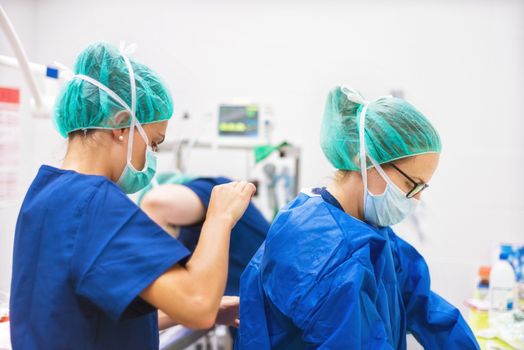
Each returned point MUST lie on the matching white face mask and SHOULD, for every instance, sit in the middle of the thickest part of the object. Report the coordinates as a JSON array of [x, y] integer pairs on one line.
[[392, 206]]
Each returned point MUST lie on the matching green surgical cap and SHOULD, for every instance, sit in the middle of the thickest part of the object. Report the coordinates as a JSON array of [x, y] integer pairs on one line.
[[394, 129], [82, 105], [172, 178]]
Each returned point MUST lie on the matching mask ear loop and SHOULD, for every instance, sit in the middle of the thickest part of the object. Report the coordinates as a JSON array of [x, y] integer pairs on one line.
[[363, 155], [388, 179], [132, 125], [382, 173], [362, 141], [134, 120], [355, 96], [154, 182]]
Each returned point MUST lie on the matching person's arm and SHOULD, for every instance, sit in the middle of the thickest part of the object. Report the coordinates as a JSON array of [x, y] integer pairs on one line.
[[435, 323], [191, 294], [344, 313], [173, 205], [227, 314]]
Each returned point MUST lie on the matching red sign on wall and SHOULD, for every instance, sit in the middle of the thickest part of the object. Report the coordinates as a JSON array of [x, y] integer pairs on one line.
[[9, 95]]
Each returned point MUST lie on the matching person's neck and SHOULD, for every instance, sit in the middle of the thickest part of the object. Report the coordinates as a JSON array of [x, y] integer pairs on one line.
[[87, 159], [348, 190]]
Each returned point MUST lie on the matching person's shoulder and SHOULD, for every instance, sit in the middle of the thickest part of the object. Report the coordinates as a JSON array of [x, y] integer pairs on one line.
[[109, 193], [311, 236], [220, 180], [304, 208], [304, 237], [63, 183], [310, 217], [99, 192], [204, 185], [307, 244], [401, 246]]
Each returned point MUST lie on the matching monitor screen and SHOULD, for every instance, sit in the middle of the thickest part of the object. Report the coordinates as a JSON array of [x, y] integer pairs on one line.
[[238, 120]]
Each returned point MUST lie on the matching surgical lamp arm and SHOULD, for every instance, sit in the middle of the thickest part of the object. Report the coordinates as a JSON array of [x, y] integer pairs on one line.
[[21, 56]]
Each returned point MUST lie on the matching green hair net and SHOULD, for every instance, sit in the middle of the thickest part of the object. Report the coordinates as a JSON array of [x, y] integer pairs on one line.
[[394, 129], [173, 178], [82, 105]]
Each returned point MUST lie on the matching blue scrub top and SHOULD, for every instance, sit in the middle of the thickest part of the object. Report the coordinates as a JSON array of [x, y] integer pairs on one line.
[[83, 253], [325, 280], [246, 237]]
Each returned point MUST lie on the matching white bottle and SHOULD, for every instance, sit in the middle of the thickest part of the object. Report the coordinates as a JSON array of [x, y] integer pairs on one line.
[[501, 289]]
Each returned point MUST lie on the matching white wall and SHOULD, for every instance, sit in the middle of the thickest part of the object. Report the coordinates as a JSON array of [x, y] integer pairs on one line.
[[22, 14], [460, 62]]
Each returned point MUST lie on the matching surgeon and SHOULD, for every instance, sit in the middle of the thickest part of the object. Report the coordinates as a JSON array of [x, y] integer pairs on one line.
[[332, 274], [90, 268], [179, 203]]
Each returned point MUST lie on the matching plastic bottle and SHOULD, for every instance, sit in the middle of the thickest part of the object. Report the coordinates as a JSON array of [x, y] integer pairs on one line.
[[483, 285], [520, 281], [501, 289], [479, 305]]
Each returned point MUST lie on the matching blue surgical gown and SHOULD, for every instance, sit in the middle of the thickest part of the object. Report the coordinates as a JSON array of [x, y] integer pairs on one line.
[[246, 237], [83, 253], [325, 280]]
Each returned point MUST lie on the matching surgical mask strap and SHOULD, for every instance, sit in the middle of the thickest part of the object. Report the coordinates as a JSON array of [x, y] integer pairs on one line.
[[154, 182], [354, 96], [132, 85], [362, 141], [382, 172]]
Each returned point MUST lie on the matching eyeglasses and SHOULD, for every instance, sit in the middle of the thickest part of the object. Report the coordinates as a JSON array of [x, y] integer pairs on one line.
[[417, 186]]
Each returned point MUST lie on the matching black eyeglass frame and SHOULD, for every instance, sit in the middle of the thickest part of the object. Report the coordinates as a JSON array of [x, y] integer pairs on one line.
[[417, 186]]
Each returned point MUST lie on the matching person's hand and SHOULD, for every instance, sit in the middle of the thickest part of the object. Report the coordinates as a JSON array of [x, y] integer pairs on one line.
[[228, 312], [230, 201]]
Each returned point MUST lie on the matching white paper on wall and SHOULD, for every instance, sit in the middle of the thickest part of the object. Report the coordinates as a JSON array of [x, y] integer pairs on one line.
[[9, 145]]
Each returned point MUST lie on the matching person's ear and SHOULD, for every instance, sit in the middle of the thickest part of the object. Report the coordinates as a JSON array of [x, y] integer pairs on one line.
[[121, 118], [119, 134]]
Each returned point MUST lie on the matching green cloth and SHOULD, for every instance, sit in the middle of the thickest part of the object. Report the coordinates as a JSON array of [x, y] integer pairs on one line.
[[264, 151]]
